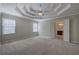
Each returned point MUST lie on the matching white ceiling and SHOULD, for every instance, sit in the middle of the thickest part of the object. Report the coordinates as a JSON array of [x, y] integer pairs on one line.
[[50, 10]]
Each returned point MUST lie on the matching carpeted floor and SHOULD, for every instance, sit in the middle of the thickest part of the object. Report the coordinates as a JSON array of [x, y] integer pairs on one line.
[[39, 46]]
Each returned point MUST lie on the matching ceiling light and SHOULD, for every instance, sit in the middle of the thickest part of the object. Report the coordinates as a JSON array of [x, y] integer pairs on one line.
[[60, 24], [40, 13]]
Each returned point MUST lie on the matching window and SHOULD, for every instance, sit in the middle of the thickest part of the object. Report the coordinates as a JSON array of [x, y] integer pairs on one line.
[[8, 26], [35, 27]]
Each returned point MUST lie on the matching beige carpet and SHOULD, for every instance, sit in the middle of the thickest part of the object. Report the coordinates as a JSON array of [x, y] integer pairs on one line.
[[39, 46]]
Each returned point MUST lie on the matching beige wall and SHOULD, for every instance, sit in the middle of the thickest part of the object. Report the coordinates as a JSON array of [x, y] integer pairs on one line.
[[0, 27], [24, 29], [47, 29], [74, 28], [67, 29]]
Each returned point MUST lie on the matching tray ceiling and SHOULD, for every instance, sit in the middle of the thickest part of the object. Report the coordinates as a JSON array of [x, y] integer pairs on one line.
[[49, 10]]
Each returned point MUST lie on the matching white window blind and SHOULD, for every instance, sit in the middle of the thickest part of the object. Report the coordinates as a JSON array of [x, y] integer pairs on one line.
[[8, 26], [35, 27]]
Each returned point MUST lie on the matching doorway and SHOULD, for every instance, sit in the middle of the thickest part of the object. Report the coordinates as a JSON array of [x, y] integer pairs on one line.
[[59, 29]]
